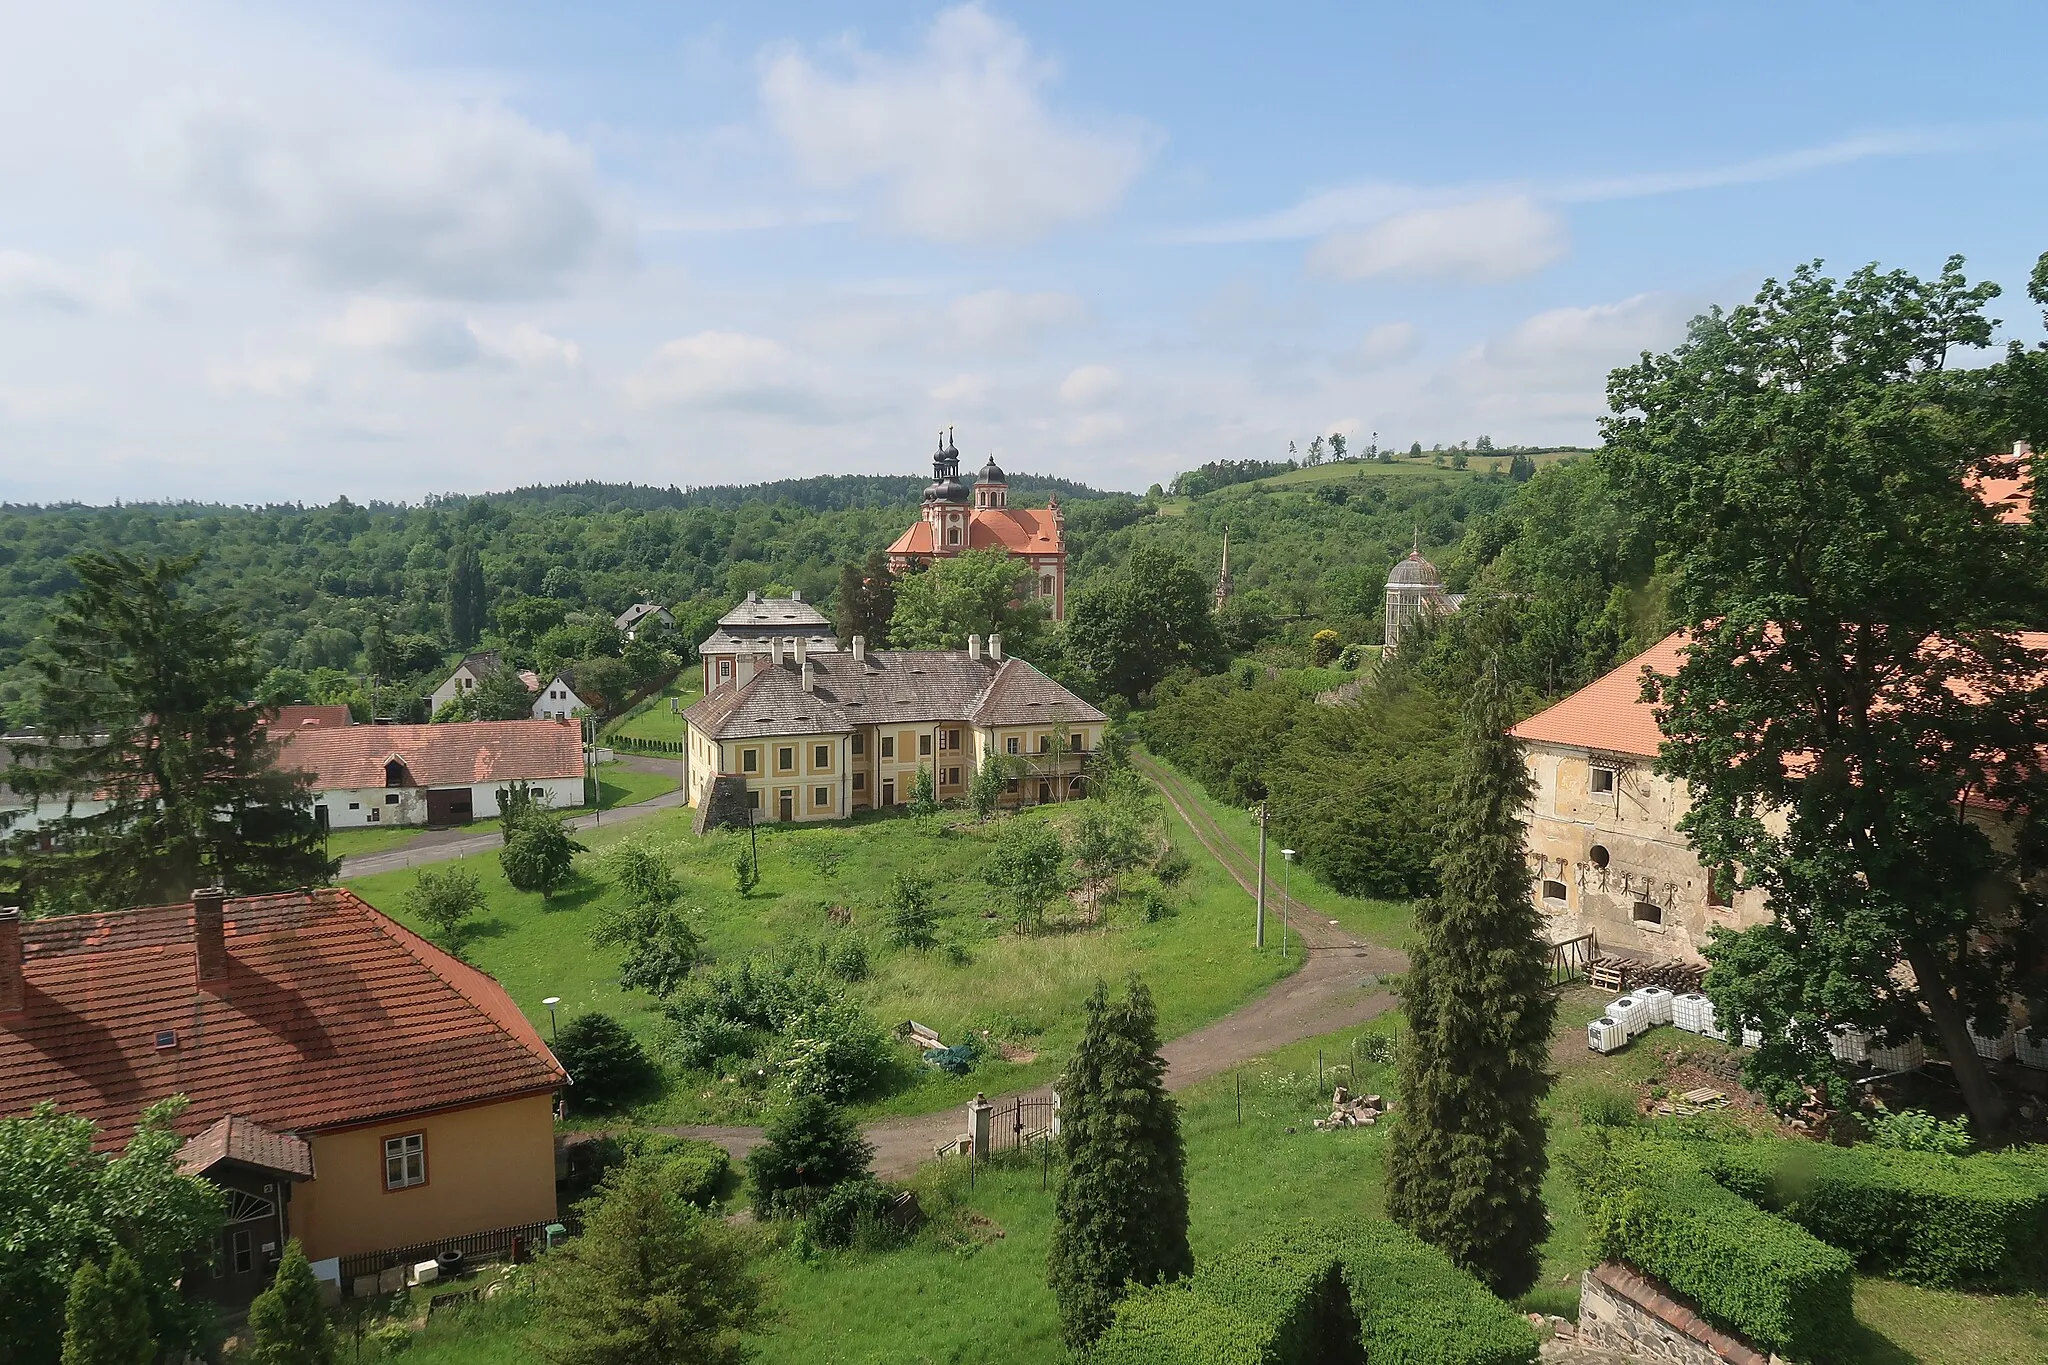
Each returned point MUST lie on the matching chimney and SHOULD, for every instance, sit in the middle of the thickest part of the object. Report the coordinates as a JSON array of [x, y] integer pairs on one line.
[[974, 648], [860, 649], [810, 682], [802, 645], [775, 645], [753, 596], [995, 649], [13, 987], [2021, 450], [209, 935], [796, 594]]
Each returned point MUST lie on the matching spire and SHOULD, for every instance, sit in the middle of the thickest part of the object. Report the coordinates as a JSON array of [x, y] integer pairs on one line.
[[1416, 547], [1223, 587]]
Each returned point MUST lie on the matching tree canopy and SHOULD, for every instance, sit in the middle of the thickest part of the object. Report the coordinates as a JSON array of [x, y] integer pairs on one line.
[[1134, 627], [981, 592]]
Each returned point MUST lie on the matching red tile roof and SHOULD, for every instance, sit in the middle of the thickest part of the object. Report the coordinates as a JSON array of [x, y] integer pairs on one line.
[[1609, 713], [309, 718], [235, 1138], [331, 1014], [452, 754], [1020, 530], [2013, 498]]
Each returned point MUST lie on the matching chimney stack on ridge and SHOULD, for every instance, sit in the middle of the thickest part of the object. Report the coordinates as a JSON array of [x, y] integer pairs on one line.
[[13, 985], [803, 652], [209, 933], [860, 649], [810, 681], [995, 649], [974, 648]]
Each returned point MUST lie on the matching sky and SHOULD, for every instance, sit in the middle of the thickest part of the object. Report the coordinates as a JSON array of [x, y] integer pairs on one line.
[[293, 252]]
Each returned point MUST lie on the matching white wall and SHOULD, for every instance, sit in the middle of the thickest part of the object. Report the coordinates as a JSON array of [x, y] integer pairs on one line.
[[451, 689], [548, 706], [28, 818], [563, 793]]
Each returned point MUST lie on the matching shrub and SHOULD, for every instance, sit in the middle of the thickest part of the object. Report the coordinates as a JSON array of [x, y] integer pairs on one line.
[[833, 1047], [1415, 1307], [702, 1041], [288, 1325], [444, 898], [823, 1042], [1916, 1130], [811, 1146], [1753, 1273], [1173, 867], [1917, 1216], [846, 957], [853, 1213], [539, 855], [606, 1064], [693, 1170], [1607, 1107], [912, 916]]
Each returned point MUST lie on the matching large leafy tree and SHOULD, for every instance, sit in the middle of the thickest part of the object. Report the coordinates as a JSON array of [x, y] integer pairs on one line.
[[652, 1278], [1856, 712], [147, 711], [1121, 1209], [63, 1204], [981, 592], [1465, 1172], [1135, 627]]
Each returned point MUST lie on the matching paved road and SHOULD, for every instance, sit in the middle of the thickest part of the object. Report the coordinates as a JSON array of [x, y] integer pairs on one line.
[[442, 845], [1330, 992]]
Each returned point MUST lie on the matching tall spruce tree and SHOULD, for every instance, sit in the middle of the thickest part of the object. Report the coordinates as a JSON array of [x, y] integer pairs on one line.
[[465, 594], [106, 1316], [867, 599], [1465, 1172], [147, 710], [287, 1323], [1121, 1210]]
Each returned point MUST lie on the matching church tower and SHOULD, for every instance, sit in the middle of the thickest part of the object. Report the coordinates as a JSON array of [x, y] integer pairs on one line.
[[946, 498], [1223, 587]]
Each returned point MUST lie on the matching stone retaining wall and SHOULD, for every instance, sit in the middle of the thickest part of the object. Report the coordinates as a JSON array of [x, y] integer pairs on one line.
[[1623, 1310]]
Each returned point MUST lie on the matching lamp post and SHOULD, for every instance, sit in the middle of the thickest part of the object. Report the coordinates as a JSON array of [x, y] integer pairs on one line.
[[1286, 894], [551, 1002]]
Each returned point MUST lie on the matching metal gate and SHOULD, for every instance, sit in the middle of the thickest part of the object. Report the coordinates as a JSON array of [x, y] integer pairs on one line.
[[1021, 1122]]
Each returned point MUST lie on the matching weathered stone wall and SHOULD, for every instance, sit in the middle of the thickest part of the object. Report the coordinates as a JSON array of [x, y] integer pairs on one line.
[[723, 804], [1624, 1311]]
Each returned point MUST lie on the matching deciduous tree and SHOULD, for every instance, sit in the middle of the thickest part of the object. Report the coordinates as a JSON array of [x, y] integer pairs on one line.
[[1465, 1171], [1025, 868], [1856, 704], [867, 600], [1121, 1210], [981, 592], [912, 916], [444, 898], [1131, 629], [539, 855]]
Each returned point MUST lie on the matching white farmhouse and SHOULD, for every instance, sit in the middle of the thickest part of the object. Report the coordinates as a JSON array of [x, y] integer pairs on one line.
[[558, 700], [446, 774], [633, 619]]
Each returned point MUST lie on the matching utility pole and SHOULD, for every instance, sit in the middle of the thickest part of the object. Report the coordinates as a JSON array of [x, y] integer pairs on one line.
[[1259, 936], [1286, 895]]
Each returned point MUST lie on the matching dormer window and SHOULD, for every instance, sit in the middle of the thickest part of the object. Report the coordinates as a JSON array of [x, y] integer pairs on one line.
[[396, 775]]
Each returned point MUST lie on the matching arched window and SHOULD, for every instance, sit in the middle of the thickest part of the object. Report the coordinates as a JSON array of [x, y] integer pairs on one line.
[[1598, 855], [952, 535]]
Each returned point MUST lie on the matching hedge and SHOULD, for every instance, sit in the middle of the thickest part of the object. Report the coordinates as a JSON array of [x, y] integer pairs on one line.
[[1312, 1295], [695, 1168], [1653, 1206], [1935, 1220]]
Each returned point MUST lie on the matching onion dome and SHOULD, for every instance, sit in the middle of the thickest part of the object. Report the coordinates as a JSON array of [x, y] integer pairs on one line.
[[1414, 571], [990, 473]]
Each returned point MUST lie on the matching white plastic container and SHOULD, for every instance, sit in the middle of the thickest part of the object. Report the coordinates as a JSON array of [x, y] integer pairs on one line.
[[1849, 1044], [1998, 1049], [1606, 1035], [1752, 1037], [1656, 1000], [1910, 1055], [1629, 1012], [426, 1272], [2030, 1054]]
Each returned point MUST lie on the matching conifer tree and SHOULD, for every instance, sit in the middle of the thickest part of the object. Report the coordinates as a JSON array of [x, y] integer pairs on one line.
[[106, 1318], [287, 1322], [1121, 1210], [466, 601], [1465, 1172]]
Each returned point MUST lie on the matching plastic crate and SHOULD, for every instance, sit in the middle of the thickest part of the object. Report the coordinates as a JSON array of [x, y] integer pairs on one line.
[[1849, 1044], [1606, 1035], [1692, 1012], [1631, 1012], [1657, 1001], [1998, 1049], [2030, 1054], [1752, 1037], [1910, 1055]]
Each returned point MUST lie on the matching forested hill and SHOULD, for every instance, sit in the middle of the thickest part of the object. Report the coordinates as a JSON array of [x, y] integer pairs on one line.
[[818, 493]]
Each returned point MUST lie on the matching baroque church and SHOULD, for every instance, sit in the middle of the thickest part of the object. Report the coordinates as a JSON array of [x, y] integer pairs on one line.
[[957, 518]]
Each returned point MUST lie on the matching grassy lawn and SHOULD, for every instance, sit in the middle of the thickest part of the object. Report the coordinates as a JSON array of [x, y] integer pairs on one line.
[[618, 785], [347, 843], [656, 722], [1380, 921], [1024, 989]]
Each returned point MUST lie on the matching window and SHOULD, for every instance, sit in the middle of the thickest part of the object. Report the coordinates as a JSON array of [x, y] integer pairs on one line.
[[391, 799], [1598, 855], [860, 782], [1721, 886], [375, 816], [753, 800], [1045, 744], [1010, 745], [239, 1251], [724, 669], [821, 756], [355, 805], [860, 744], [821, 798], [952, 535], [888, 746], [405, 1161], [952, 777], [1078, 743], [785, 758], [1647, 912], [952, 739], [1603, 781], [1011, 786], [924, 746], [1554, 891], [1045, 586]]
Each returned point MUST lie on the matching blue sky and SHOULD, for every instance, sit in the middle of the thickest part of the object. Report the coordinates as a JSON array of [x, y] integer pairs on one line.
[[295, 251]]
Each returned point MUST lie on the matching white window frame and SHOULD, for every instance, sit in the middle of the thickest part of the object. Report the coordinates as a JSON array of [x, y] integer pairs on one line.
[[405, 1158]]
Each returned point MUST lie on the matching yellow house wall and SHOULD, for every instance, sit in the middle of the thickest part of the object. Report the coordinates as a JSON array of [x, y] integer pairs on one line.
[[488, 1166], [802, 780]]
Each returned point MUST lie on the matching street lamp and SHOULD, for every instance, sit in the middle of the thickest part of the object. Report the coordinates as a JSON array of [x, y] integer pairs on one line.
[[1286, 888], [551, 1002]]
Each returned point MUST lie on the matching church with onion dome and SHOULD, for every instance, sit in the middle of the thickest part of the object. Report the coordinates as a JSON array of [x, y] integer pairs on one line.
[[1415, 589], [957, 518]]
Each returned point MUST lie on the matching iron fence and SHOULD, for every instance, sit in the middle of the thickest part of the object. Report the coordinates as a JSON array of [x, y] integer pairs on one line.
[[475, 1246], [1020, 1123]]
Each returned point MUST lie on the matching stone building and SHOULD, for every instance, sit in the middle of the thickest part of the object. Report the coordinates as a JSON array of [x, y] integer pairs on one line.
[[957, 519], [1414, 590]]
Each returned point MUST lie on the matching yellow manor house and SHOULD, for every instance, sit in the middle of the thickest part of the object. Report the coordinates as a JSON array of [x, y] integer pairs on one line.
[[804, 735]]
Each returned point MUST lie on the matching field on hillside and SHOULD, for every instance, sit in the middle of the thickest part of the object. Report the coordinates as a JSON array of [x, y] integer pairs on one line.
[[656, 720], [1478, 465], [972, 1286], [1023, 988]]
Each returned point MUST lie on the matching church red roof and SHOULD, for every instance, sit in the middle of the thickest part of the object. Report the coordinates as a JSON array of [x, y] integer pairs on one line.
[[1020, 530], [330, 1014]]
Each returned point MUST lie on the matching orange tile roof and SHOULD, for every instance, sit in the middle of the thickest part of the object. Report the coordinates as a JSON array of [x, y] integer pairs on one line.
[[2013, 497], [331, 1014], [1020, 530], [450, 754], [1609, 713], [235, 1138], [291, 718]]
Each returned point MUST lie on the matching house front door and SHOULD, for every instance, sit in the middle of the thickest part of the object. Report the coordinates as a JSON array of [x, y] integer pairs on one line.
[[889, 791], [785, 802]]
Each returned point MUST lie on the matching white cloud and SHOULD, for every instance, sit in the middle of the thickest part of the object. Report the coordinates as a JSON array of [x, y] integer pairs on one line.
[[426, 337], [957, 135], [734, 371], [527, 348], [1554, 364], [1485, 240], [997, 316], [31, 281], [963, 390], [264, 372], [1090, 385], [464, 201], [1387, 344]]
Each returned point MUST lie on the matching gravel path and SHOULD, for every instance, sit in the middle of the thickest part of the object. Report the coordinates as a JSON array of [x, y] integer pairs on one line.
[[1330, 992], [443, 845]]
